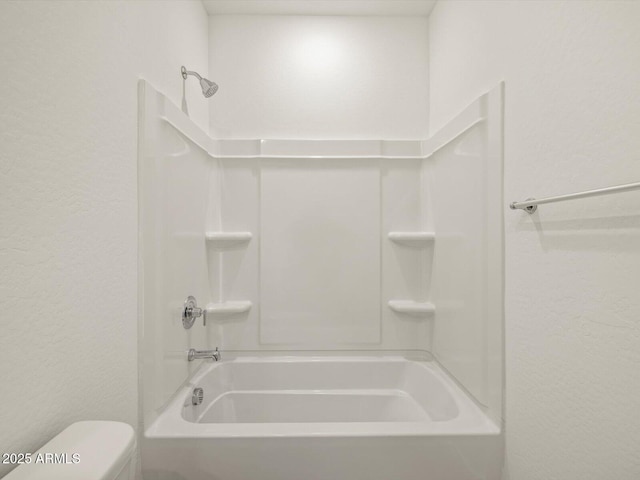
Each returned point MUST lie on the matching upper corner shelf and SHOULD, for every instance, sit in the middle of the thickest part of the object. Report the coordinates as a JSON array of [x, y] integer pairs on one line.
[[227, 239], [412, 239]]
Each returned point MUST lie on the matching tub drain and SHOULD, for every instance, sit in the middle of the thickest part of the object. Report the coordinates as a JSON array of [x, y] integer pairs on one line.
[[198, 396]]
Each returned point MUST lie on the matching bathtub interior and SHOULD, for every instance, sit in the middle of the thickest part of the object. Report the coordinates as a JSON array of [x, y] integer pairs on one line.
[[317, 389]]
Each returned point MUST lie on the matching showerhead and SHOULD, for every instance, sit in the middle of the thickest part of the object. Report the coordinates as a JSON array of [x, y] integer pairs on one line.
[[209, 88]]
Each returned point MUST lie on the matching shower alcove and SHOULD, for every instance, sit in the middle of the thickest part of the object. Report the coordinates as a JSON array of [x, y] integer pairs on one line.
[[353, 288]]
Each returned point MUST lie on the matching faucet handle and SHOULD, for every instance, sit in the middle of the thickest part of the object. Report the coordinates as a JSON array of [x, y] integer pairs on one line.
[[191, 312]]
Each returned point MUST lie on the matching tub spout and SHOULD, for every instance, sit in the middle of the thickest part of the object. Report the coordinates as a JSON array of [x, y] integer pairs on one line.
[[198, 354]]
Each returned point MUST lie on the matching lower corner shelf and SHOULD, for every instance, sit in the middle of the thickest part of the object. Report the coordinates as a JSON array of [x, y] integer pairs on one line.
[[228, 308], [412, 308]]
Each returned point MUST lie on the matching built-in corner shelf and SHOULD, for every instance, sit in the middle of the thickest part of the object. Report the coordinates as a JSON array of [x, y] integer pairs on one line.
[[227, 239], [412, 308], [228, 308], [412, 239]]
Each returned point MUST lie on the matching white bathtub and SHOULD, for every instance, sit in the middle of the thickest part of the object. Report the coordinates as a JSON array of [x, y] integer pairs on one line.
[[330, 418]]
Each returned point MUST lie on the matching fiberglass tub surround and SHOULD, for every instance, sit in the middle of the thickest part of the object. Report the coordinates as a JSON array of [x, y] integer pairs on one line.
[[355, 301]]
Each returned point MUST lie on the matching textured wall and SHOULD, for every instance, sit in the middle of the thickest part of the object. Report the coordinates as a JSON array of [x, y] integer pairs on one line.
[[319, 77], [68, 226], [572, 122]]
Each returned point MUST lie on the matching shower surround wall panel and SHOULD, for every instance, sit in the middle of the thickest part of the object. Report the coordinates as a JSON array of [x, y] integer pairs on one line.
[[406, 267], [319, 253], [173, 189], [238, 184], [467, 265], [352, 210], [403, 202]]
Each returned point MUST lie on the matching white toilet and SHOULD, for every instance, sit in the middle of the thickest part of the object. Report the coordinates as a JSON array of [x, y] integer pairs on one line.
[[103, 451]]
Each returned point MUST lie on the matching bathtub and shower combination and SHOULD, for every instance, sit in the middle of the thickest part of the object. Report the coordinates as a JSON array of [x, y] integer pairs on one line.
[[425, 405]]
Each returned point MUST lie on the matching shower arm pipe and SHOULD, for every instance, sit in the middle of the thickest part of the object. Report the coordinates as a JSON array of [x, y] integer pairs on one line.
[[186, 72], [530, 205]]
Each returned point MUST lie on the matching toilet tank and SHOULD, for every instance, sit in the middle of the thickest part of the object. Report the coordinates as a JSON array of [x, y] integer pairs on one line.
[[93, 450]]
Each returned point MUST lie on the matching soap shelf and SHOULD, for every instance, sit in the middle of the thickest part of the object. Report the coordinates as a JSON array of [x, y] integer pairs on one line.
[[412, 239], [412, 308], [227, 239], [228, 308]]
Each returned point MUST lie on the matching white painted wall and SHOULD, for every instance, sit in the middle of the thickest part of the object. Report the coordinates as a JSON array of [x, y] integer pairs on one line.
[[319, 77], [572, 120], [68, 223]]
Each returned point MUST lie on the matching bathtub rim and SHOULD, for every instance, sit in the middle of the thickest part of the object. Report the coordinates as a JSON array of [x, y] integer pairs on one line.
[[471, 420]]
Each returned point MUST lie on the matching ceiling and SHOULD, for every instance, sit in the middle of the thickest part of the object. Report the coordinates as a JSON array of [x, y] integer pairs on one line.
[[319, 7]]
